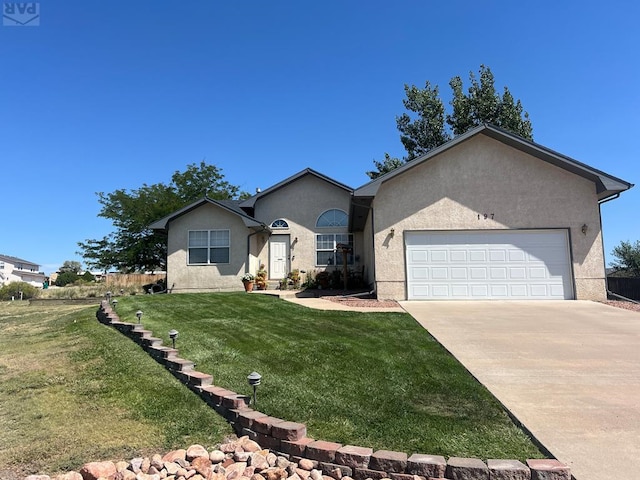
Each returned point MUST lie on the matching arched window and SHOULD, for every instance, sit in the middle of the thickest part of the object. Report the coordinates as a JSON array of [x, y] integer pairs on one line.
[[333, 218], [279, 223]]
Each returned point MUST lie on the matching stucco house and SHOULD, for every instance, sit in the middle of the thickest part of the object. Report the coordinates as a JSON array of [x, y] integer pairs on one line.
[[487, 215], [13, 269]]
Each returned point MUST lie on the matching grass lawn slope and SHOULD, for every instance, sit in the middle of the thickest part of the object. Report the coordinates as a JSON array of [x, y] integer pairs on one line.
[[73, 390], [370, 379]]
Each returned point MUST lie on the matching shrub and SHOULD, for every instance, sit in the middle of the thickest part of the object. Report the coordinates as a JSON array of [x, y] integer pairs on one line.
[[66, 278], [13, 290]]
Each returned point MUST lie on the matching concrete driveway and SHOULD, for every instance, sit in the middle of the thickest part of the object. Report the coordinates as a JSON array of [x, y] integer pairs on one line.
[[568, 370]]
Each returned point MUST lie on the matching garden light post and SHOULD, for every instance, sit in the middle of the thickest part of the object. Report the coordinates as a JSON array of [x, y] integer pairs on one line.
[[114, 303], [173, 334], [139, 315], [254, 380]]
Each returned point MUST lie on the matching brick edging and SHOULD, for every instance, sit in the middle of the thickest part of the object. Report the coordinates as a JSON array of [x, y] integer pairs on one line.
[[290, 438]]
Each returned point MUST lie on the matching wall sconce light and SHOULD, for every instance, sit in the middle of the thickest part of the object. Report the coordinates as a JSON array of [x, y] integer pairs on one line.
[[584, 228], [392, 233], [254, 380], [139, 315], [173, 334]]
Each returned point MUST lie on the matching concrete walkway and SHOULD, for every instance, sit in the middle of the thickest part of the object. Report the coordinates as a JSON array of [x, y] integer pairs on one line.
[[323, 303], [568, 370]]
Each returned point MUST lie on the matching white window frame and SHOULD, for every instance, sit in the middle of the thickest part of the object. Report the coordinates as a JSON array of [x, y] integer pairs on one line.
[[209, 246], [276, 227], [333, 225], [337, 261]]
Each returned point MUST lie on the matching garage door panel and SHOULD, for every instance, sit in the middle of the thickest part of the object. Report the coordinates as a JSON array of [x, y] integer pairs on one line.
[[488, 264]]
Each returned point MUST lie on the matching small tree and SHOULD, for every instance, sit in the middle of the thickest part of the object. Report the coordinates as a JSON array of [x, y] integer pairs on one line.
[[627, 260], [65, 278], [12, 291]]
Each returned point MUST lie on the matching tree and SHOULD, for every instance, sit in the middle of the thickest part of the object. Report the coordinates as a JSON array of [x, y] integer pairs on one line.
[[65, 278], [135, 247], [70, 266], [426, 126], [388, 164], [627, 258]]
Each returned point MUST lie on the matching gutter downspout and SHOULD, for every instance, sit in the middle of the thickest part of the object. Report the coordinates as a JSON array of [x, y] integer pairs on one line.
[[604, 255]]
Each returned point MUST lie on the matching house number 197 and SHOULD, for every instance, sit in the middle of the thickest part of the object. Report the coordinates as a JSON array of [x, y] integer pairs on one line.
[[485, 216]]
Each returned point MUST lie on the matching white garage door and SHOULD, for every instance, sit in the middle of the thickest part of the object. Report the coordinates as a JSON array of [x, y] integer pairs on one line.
[[516, 265]]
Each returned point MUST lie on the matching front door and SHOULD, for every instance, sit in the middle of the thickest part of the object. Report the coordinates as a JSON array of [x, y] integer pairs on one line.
[[278, 256]]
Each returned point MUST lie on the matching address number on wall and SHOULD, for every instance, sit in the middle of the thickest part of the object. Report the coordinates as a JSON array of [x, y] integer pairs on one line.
[[485, 216]]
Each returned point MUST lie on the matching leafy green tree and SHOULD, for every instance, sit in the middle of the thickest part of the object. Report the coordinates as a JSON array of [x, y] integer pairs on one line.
[[12, 291], [70, 266], [133, 246], [426, 126], [65, 278], [627, 260], [388, 164]]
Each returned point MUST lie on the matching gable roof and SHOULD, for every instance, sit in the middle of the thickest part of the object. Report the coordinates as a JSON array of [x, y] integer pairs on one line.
[[606, 185], [14, 260], [251, 201], [231, 206]]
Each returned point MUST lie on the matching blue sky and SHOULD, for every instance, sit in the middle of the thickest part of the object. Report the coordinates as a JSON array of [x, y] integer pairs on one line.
[[109, 95]]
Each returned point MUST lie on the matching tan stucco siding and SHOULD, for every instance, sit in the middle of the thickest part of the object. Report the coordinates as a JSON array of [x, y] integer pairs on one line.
[[300, 203], [201, 278], [483, 176]]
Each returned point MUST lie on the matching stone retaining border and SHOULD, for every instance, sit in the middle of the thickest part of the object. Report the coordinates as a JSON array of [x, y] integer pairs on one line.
[[290, 438]]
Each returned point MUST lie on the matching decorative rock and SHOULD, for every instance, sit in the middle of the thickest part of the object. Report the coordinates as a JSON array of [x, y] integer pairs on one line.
[[136, 464], [220, 470], [303, 474], [274, 473], [146, 464], [272, 458], [306, 464], [171, 467], [146, 476], [38, 477], [125, 475], [251, 446], [229, 447], [202, 465], [217, 456], [248, 472], [282, 462], [174, 455], [70, 476], [235, 470], [153, 470], [315, 474], [190, 473], [258, 461], [121, 465], [182, 472], [293, 476], [195, 451], [257, 476], [156, 461], [95, 470], [241, 456]]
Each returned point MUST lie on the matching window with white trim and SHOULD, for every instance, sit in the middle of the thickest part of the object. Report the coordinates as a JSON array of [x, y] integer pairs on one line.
[[326, 248], [280, 224], [333, 218], [208, 247]]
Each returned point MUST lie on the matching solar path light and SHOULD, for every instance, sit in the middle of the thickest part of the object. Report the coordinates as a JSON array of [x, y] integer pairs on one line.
[[254, 380], [115, 304], [173, 334], [139, 315]]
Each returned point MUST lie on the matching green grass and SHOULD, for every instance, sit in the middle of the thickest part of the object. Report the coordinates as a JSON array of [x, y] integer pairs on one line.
[[73, 390], [368, 379]]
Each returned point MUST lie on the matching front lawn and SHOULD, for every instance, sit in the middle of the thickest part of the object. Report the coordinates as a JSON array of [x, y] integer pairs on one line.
[[368, 379]]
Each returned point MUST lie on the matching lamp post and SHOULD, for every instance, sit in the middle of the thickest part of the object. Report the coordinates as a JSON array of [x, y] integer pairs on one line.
[[254, 380], [173, 334], [139, 315]]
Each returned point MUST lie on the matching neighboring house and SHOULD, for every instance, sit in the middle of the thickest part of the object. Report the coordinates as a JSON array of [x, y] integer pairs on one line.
[[14, 269], [487, 215]]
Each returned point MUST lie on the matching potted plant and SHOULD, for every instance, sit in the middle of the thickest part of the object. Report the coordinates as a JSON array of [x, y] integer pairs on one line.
[[261, 278], [247, 281]]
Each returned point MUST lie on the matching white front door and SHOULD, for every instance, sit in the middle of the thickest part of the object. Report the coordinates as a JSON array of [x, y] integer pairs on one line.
[[493, 264], [278, 256]]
